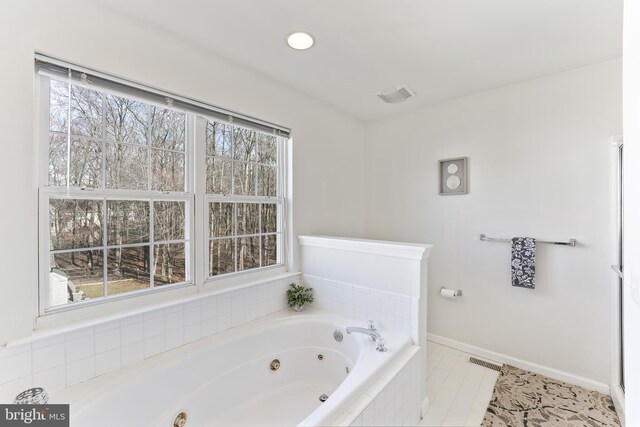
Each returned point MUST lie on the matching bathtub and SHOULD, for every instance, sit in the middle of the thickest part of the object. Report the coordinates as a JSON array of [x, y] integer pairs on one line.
[[228, 379]]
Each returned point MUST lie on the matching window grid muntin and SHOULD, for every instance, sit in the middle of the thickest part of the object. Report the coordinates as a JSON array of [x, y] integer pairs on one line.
[[235, 199], [104, 140], [104, 144], [278, 234], [276, 165], [58, 194], [189, 162]]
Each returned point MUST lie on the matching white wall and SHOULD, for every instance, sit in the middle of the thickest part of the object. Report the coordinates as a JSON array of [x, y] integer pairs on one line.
[[326, 200], [632, 210], [539, 166]]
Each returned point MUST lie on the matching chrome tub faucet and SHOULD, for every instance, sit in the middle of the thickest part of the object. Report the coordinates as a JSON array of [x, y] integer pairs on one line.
[[372, 332]]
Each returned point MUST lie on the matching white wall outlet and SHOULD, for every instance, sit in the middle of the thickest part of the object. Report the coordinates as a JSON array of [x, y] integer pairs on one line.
[[635, 288]]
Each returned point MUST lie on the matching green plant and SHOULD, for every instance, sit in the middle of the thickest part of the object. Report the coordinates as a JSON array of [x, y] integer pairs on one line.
[[298, 296]]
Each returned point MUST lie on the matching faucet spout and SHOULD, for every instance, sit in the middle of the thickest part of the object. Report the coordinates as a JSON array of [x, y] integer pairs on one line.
[[373, 333]]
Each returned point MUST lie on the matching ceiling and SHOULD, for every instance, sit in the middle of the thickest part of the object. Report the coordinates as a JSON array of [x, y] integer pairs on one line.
[[442, 49]]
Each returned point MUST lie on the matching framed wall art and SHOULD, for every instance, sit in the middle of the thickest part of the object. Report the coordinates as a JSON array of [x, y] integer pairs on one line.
[[453, 176]]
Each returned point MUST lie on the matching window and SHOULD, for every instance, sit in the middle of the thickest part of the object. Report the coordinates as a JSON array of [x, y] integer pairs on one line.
[[242, 198], [118, 191], [117, 206]]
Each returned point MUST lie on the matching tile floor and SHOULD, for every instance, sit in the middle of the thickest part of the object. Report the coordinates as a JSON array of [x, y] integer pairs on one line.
[[459, 392]]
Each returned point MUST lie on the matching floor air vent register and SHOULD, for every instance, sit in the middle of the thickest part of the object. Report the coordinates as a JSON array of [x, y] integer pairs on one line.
[[485, 364]]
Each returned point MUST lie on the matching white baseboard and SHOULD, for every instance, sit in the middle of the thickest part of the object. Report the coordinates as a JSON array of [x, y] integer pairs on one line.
[[522, 364], [618, 400]]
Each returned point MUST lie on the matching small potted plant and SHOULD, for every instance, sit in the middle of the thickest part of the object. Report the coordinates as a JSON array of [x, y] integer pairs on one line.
[[298, 296]]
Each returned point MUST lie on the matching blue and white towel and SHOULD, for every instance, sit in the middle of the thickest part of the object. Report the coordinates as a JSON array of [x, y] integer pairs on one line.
[[523, 262]]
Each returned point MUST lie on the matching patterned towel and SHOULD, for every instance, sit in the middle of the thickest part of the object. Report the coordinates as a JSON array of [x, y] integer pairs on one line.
[[523, 262]]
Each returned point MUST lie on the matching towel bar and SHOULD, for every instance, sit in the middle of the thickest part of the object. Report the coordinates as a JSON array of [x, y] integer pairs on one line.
[[571, 242]]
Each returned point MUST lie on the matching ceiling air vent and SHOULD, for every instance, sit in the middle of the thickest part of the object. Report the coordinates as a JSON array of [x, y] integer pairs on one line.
[[396, 95]]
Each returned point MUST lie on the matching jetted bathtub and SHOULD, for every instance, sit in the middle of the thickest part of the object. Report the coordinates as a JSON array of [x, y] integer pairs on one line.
[[271, 371]]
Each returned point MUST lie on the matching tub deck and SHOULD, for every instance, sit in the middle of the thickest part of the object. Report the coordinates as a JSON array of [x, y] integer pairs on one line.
[[224, 379]]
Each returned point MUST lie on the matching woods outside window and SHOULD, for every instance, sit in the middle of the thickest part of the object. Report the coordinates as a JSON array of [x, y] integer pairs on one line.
[[118, 188]]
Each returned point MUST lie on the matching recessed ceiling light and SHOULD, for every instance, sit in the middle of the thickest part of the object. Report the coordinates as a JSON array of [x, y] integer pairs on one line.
[[300, 40]]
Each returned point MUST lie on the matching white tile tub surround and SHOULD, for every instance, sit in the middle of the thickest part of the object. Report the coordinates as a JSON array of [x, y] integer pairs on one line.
[[372, 280], [390, 311], [64, 359], [393, 400]]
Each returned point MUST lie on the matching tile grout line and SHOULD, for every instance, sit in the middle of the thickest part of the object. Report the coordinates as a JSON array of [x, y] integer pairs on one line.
[[456, 358]]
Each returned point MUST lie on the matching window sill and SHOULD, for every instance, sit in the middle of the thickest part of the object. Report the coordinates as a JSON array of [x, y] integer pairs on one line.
[[143, 293], [242, 279]]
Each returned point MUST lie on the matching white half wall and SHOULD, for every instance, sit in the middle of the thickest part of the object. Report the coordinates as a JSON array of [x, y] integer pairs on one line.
[[539, 159], [326, 200], [384, 281], [386, 266]]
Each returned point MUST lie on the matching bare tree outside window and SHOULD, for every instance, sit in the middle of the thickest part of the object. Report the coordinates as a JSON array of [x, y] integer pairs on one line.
[[242, 167], [108, 244], [119, 191]]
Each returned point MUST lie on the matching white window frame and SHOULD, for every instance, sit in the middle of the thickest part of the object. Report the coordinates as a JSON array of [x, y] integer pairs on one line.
[[46, 194], [196, 218], [278, 200]]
